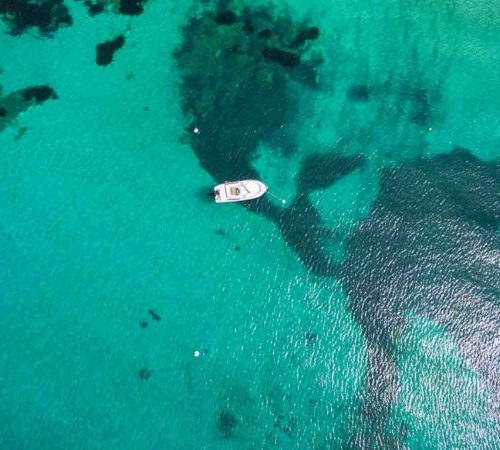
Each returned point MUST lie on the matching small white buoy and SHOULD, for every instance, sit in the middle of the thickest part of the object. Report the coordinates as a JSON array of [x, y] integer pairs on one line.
[[430, 129], [196, 130], [283, 201], [196, 353]]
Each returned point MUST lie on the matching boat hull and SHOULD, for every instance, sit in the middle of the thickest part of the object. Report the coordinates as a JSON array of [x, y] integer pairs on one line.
[[239, 191]]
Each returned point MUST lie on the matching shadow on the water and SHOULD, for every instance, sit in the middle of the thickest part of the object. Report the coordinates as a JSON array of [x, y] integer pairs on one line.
[[205, 194]]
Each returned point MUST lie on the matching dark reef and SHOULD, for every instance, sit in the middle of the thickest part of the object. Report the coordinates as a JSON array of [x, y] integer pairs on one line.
[[45, 15], [131, 7], [428, 211], [18, 101], [309, 34], [321, 170], [125, 7], [106, 50], [283, 57], [94, 8], [39, 93], [427, 247], [225, 18], [238, 99], [265, 33], [220, 232], [358, 93], [145, 374], [154, 315], [226, 423]]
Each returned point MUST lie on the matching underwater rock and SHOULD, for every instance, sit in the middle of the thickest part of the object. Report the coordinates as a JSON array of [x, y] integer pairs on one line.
[[225, 18], [18, 101], [94, 8], [226, 423], [145, 373], [282, 57], [106, 50], [358, 93], [217, 61], [265, 33], [39, 93], [45, 15], [143, 324], [131, 7], [154, 314], [309, 34], [220, 232]]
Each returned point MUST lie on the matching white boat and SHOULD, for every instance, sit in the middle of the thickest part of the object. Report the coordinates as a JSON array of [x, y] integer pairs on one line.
[[239, 191]]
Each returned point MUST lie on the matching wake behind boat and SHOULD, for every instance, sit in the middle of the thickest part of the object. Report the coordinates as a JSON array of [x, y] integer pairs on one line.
[[239, 191]]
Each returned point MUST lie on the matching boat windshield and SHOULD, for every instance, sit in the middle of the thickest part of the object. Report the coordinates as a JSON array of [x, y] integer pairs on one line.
[[242, 187], [237, 190]]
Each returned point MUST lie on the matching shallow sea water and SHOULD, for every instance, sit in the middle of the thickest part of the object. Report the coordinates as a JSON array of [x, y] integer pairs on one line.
[[105, 217]]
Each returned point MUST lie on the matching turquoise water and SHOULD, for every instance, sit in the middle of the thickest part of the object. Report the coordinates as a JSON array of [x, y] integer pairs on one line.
[[306, 338]]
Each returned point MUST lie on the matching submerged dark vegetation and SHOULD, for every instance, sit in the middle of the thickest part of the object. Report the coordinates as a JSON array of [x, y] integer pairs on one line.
[[428, 247], [240, 66], [45, 17], [14, 103], [42, 19], [244, 71], [106, 50]]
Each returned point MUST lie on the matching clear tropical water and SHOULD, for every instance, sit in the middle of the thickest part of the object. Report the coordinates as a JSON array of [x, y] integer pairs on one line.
[[363, 314]]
